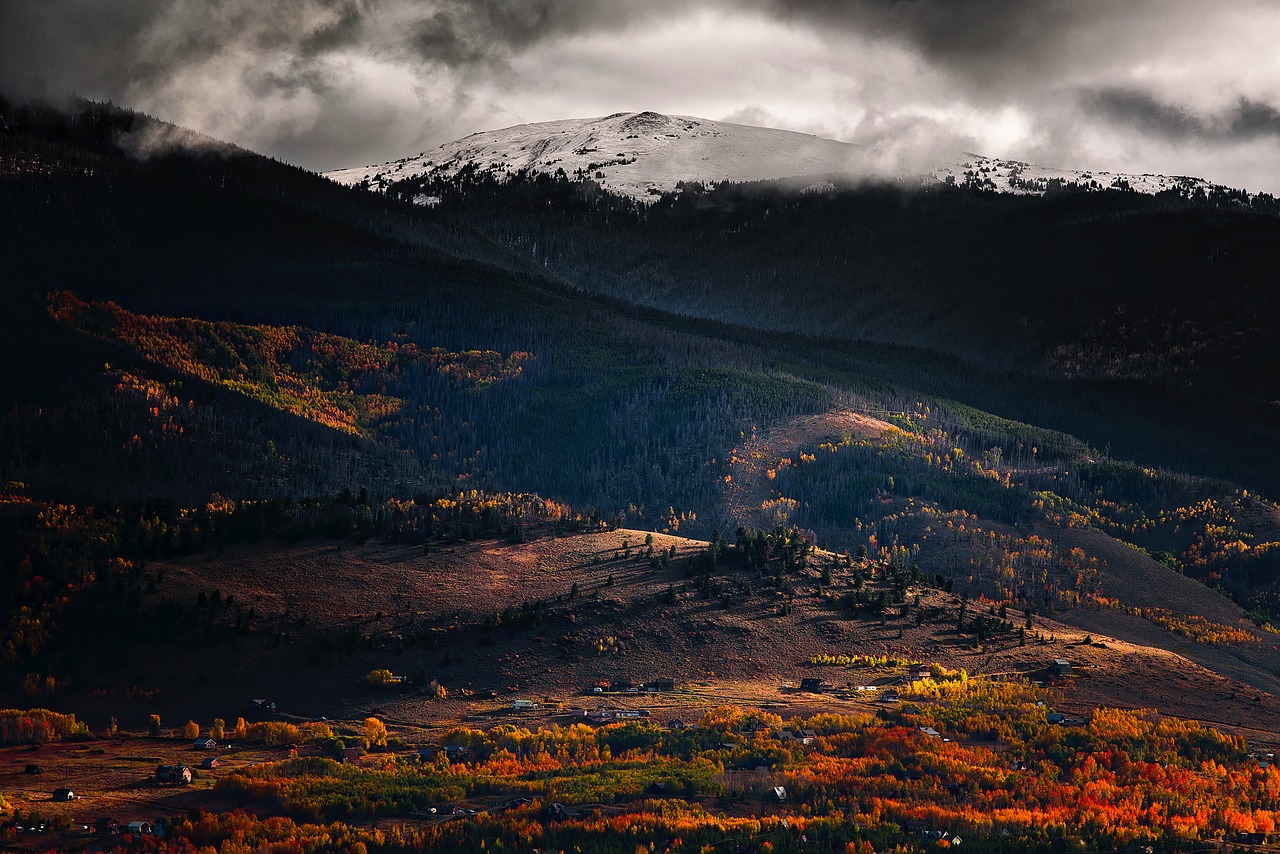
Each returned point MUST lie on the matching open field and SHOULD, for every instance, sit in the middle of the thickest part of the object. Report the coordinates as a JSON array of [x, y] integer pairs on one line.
[[111, 778]]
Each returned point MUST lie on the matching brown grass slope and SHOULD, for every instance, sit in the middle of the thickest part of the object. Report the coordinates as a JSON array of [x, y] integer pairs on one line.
[[1127, 574], [325, 614], [1135, 579]]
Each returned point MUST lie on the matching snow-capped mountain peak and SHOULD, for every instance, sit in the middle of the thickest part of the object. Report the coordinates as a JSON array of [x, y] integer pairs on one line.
[[636, 154], [646, 154]]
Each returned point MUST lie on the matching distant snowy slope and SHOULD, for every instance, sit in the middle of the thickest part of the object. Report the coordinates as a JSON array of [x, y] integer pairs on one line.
[[635, 154], [643, 155], [1012, 176]]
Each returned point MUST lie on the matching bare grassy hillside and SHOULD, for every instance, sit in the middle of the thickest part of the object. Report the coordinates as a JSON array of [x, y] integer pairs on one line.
[[548, 619]]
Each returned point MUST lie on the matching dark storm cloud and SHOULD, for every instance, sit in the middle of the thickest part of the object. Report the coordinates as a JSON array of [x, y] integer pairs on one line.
[[1245, 120], [439, 39], [89, 45], [1253, 119], [136, 41], [972, 33], [56, 45], [342, 82], [469, 32], [109, 47], [1145, 112], [1015, 48], [344, 30], [472, 31]]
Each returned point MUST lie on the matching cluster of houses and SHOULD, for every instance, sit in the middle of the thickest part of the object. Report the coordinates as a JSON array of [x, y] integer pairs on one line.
[[631, 686], [922, 829], [1059, 719], [814, 685], [915, 673], [452, 752], [605, 715], [108, 825], [260, 709], [560, 812]]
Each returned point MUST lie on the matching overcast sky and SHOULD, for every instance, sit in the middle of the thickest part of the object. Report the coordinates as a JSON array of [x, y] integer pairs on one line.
[[1172, 86]]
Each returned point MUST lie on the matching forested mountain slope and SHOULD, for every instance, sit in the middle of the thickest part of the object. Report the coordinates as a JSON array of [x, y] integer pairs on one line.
[[1116, 286]]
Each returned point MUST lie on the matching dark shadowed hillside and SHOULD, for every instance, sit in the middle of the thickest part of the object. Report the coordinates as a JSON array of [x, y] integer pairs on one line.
[[1118, 285]]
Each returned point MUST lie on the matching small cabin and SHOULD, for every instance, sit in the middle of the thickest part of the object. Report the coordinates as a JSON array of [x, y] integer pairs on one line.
[[919, 672], [525, 706], [1060, 667], [261, 709], [140, 828], [662, 685], [814, 685], [106, 824], [931, 732], [625, 714], [348, 755], [560, 812], [64, 795], [778, 793], [459, 753], [210, 762], [177, 775], [205, 744]]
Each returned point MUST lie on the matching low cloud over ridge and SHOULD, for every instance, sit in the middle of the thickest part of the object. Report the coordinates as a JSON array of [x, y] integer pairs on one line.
[[1144, 85]]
